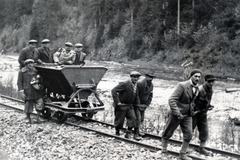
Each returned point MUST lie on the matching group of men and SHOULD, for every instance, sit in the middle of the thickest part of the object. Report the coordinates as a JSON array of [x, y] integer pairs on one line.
[[63, 56], [131, 98], [29, 82], [189, 104]]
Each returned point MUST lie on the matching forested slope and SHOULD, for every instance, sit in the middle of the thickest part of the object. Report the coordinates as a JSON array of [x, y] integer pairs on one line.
[[123, 30]]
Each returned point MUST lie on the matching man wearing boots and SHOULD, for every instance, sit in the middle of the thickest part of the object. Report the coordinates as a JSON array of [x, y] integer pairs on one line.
[[202, 106], [145, 93], [181, 110], [124, 97], [30, 89]]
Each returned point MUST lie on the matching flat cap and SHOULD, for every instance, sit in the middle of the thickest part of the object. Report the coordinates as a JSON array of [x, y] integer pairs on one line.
[[210, 77], [46, 41], [28, 61], [135, 73], [194, 71], [32, 41], [150, 74], [78, 45], [68, 44]]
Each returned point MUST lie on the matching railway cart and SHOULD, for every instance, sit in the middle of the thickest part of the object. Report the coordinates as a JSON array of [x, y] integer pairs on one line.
[[71, 89]]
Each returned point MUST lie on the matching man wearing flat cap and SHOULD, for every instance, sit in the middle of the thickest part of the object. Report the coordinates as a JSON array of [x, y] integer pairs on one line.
[[44, 55], [181, 111], [65, 56], [29, 52], [80, 56], [31, 94], [145, 93], [124, 97], [202, 106]]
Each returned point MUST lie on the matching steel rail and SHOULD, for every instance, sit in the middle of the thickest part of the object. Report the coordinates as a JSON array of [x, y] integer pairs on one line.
[[152, 136], [144, 145]]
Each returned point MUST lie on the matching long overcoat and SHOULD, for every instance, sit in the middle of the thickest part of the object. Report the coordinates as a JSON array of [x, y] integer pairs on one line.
[[145, 92]]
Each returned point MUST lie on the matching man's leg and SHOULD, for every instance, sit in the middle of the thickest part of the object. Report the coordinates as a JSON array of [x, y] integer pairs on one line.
[[28, 109], [170, 127], [39, 106], [186, 126], [119, 120]]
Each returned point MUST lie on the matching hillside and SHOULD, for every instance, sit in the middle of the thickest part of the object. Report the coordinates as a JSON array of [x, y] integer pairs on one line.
[[125, 30]]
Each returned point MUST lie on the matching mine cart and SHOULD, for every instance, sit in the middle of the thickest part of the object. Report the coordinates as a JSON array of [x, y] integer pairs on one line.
[[71, 89]]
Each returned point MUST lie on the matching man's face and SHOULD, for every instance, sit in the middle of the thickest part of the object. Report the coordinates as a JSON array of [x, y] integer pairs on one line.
[[149, 79], [46, 45], [210, 83], [196, 78], [30, 65], [79, 49], [68, 48], [134, 79], [33, 45]]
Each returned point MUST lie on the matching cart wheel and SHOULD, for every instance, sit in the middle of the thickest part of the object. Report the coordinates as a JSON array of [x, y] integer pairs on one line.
[[61, 116], [46, 113], [87, 116]]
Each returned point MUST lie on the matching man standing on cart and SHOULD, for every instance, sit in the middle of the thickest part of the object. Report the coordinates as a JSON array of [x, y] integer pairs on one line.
[[124, 97], [30, 89]]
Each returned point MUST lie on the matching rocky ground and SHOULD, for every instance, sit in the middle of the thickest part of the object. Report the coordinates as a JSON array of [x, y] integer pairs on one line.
[[49, 139]]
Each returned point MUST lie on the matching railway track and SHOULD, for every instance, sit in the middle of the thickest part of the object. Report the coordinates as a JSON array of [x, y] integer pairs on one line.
[[107, 129]]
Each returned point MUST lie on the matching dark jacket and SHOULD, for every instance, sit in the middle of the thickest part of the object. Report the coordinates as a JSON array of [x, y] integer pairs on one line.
[[44, 54], [27, 53], [80, 58], [203, 100], [123, 93], [181, 99], [145, 92], [23, 83]]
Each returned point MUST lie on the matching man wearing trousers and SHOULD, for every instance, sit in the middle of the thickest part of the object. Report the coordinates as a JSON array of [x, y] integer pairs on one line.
[[181, 111], [124, 97]]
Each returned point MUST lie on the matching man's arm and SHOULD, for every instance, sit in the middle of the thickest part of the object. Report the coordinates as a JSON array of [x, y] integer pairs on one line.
[[115, 92]]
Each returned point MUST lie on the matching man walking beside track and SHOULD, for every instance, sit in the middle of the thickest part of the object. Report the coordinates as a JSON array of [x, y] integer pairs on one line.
[[124, 97], [181, 112], [202, 106], [145, 93]]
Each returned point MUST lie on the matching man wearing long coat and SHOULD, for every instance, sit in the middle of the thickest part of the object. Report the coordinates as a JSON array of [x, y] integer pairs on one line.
[[29, 52], [44, 54]]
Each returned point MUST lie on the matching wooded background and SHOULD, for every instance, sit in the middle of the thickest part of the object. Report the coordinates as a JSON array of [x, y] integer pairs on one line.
[[125, 30]]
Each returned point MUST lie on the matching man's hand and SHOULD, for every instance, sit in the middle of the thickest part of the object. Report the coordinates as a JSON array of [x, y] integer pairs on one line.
[[22, 95], [180, 116]]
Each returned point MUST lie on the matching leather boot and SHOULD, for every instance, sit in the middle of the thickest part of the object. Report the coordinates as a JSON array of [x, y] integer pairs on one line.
[[28, 119], [183, 156], [128, 134], [203, 151], [136, 134], [117, 132], [164, 145], [39, 118]]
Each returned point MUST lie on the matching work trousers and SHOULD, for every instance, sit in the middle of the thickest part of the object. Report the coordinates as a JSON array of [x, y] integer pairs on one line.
[[29, 105], [120, 116], [173, 123], [139, 116], [200, 121]]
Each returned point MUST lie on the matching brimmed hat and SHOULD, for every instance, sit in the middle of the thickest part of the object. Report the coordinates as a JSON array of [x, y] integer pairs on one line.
[[32, 41], [210, 77], [28, 61], [45, 41], [68, 44], [150, 74], [194, 71], [135, 74], [78, 45]]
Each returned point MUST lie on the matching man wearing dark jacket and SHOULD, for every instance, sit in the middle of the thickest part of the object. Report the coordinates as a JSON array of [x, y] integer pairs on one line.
[[124, 97], [44, 55], [29, 52], [180, 103], [30, 89], [202, 105], [145, 93]]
